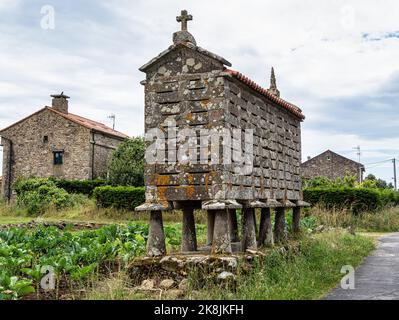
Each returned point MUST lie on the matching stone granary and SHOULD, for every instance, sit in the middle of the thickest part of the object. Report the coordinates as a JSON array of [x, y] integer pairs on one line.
[[194, 105], [53, 142], [331, 165]]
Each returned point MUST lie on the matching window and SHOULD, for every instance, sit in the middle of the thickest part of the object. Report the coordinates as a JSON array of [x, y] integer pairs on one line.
[[45, 139], [58, 157], [328, 158]]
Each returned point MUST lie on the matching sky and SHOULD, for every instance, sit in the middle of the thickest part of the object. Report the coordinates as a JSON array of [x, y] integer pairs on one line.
[[337, 60]]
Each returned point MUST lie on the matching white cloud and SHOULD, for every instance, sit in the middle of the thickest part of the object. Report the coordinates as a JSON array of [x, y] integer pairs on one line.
[[6, 5]]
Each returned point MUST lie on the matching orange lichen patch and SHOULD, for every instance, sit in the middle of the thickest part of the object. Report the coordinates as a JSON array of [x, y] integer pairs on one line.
[[189, 116], [190, 191], [204, 103], [161, 194], [162, 180], [206, 178], [190, 179]]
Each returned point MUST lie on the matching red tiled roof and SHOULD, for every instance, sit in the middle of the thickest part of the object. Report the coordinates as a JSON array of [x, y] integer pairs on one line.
[[90, 124], [253, 85]]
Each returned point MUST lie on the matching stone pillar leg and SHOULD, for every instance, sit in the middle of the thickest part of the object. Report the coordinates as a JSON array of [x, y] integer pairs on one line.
[[156, 237], [296, 219], [233, 225], [221, 235], [210, 226], [189, 237], [265, 228], [249, 229], [279, 225]]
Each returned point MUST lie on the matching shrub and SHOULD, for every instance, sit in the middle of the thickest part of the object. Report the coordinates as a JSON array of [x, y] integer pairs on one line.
[[119, 197], [356, 199], [37, 195], [85, 187]]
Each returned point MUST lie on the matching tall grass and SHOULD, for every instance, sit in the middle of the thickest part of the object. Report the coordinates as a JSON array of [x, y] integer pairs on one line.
[[305, 274], [385, 220]]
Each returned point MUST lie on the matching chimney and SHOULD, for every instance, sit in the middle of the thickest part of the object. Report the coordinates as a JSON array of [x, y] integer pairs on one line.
[[60, 102], [309, 157]]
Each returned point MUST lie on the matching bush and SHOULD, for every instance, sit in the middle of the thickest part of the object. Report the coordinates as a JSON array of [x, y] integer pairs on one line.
[[356, 199], [37, 195], [85, 187], [325, 182], [119, 197]]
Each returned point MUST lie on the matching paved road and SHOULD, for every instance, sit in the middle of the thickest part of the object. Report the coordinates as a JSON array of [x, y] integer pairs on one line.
[[378, 277]]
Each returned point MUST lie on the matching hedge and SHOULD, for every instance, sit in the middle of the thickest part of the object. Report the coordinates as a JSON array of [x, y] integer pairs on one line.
[[79, 186], [356, 199], [119, 197]]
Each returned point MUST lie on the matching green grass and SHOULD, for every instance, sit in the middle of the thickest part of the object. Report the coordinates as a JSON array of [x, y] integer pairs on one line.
[[307, 274]]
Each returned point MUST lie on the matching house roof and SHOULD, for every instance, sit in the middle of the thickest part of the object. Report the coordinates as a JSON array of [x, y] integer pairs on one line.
[[87, 123], [336, 154], [253, 85], [189, 46], [90, 124]]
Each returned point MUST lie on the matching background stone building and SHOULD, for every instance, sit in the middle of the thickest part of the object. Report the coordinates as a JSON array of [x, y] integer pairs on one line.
[[54, 142], [331, 165]]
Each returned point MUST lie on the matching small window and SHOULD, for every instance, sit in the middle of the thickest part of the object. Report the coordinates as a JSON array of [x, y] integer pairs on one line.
[[58, 157], [45, 139], [328, 158]]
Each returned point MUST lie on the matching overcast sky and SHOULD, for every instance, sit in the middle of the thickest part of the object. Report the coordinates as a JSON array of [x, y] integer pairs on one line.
[[337, 60]]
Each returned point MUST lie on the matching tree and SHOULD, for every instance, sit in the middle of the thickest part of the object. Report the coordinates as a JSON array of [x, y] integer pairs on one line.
[[371, 181], [126, 166]]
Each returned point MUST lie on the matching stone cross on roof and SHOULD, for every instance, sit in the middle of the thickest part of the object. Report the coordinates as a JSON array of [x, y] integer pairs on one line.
[[184, 18]]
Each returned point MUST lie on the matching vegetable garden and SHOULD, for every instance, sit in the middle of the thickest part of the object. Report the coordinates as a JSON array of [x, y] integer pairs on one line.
[[75, 257]]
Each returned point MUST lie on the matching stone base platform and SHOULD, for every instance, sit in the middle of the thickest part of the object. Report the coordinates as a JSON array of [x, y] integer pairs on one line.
[[236, 247], [179, 267]]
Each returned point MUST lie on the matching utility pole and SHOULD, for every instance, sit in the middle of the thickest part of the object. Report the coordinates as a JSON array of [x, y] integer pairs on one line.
[[112, 116], [394, 174], [359, 153]]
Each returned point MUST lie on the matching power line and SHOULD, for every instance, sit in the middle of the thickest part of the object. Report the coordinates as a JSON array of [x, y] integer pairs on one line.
[[374, 166]]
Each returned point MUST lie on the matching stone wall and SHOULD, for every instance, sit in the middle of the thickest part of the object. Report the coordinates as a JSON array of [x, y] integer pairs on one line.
[[183, 87], [330, 165], [103, 147], [5, 191], [277, 146]]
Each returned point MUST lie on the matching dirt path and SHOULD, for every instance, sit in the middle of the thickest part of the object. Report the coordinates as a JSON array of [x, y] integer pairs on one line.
[[378, 277]]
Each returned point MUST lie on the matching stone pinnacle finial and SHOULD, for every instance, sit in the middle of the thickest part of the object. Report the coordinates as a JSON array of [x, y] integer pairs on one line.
[[183, 36], [273, 84]]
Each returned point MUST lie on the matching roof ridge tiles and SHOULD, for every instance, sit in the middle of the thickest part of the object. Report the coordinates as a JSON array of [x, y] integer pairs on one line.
[[252, 84]]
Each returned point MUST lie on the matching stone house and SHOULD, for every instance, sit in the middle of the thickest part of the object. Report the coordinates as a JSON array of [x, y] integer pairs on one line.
[[331, 165], [55, 143]]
